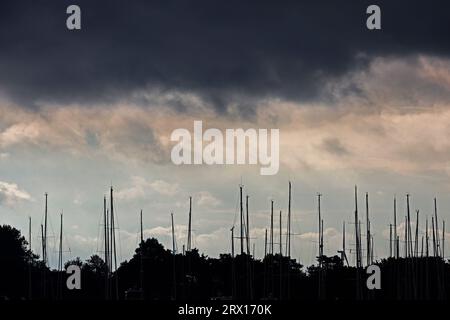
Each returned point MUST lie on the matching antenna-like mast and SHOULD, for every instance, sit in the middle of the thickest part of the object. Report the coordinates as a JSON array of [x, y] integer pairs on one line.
[[395, 228], [188, 246], [247, 226]]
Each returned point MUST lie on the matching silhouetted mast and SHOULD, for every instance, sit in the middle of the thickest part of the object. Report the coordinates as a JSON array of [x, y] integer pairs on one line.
[[416, 240], [189, 243], [358, 243], [288, 246], [443, 240], [173, 236], [247, 226], [44, 243], [29, 233], [174, 259], [281, 236], [271, 228], [343, 239], [426, 238], [408, 228], [142, 230], [44, 280], [141, 273], [368, 240], [395, 229], [60, 260], [30, 291], [107, 257], [358, 248], [113, 244], [436, 223], [320, 230], [242, 219]]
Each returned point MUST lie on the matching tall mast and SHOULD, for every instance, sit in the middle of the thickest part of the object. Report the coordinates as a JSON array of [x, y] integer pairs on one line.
[[173, 236], [281, 237], [242, 219], [358, 252], [141, 273], [174, 257], [395, 228], [426, 238], [44, 290], [320, 230], [188, 246], [247, 226], [408, 228], [343, 239], [271, 228], [437, 227], [29, 233], [368, 240], [113, 243], [30, 291], [443, 240], [60, 262], [142, 230], [105, 220], [44, 243], [281, 260], [416, 241], [289, 224], [107, 259]]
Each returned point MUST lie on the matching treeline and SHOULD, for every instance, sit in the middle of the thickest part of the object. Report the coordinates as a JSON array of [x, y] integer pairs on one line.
[[154, 273]]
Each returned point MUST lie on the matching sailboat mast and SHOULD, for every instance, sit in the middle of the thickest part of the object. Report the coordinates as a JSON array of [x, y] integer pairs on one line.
[[44, 246], [281, 236], [113, 243], [271, 228], [242, 219], [395, 228], [320, 229], [60, 262], [142, 230], [188, 246], [416, 241], [368, 240], [174, 260], [247, 226], [426, 238], [358, 252], [289, 224]]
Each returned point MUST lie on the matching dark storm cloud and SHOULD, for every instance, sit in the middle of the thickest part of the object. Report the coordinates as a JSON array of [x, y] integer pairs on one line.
[[225, 51]]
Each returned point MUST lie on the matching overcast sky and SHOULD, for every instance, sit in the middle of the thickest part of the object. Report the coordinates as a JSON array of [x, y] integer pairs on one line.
[[81, 110]]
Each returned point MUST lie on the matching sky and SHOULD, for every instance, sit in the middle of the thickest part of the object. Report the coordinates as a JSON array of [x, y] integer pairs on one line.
[[83, 110]]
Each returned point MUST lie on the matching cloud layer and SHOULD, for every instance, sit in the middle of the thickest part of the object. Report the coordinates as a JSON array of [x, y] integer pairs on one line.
[[233, 52]]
